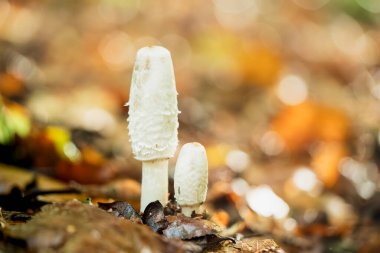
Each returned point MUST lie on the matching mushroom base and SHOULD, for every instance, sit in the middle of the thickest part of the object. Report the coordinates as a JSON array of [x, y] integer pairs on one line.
[[187, 210]]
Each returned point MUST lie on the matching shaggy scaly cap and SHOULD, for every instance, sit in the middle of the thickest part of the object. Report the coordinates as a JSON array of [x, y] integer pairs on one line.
[[191, 175], [153, 108]]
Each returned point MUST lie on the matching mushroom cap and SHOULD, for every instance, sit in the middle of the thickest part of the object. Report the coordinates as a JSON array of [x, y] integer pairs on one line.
[[153, 107], [191, 175]]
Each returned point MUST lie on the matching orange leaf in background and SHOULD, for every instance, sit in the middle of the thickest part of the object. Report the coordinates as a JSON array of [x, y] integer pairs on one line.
[[84, 173], [91, 156], [92, 169], [296, 125], [333, 124], [221, 218], [325, 161], [10, 85], [301, 125]]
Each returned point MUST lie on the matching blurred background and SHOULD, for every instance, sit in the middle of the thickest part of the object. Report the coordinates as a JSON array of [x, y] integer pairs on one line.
[[285, 96]]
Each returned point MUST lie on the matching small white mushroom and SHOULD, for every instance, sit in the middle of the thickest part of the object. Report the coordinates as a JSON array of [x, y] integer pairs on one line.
[[191, 177], [153, 120]]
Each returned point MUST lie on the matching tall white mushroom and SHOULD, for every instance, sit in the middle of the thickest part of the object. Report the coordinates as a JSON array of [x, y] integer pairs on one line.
[[153, 120], [191, 177]]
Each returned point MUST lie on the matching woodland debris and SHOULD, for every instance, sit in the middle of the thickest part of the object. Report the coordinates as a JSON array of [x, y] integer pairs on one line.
[[121, 189], [185, 228], [76, 227], [154, 216], [254, 245], [121, 209]]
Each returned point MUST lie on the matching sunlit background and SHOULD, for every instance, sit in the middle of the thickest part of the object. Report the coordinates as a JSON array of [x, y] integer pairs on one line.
[[285, 96]]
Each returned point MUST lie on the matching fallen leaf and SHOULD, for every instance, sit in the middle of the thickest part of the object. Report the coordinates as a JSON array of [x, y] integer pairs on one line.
[[121, 209], [154, 216], [182, 227]]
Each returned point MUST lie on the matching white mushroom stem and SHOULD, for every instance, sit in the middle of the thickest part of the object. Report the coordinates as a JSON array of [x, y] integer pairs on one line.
[[154, 182], [154, 185], [191, 178]]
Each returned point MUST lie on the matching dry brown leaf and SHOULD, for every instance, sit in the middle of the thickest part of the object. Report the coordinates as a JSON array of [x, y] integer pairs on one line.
[[182, 227]]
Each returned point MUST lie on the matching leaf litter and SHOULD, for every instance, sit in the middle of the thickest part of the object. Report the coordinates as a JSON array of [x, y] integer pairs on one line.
[[31, 225]]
